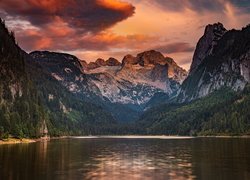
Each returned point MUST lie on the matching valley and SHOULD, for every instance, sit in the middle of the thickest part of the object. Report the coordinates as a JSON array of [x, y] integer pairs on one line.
[[143, 94]]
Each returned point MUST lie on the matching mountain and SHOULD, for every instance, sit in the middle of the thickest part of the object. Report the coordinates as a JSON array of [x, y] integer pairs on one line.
[[121, 88], [221, 58], [21, 113], [57, 93], [206, 44], [99, 63], [214, 99], [223, 112], [68, 114], [32, 103]]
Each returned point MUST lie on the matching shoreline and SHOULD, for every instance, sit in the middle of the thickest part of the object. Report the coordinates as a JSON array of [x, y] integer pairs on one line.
[[29, 140], [17, 141]]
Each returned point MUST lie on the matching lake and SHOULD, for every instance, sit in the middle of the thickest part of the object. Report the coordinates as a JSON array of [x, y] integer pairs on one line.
[[121, 158]]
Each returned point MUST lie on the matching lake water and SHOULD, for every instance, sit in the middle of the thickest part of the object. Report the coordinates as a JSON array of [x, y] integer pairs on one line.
[[127, 158]]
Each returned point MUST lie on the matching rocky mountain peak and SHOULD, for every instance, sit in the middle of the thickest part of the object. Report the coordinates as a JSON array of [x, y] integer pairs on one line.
[[100, 62], [215, 28], [225, 63], [175, 72], [206, 44], [145, 58], [112, 62], [129, 60], [155, 62], [151, 57]]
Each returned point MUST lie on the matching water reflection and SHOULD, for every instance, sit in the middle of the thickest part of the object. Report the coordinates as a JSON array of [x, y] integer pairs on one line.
[[139, 160], [201, 158]]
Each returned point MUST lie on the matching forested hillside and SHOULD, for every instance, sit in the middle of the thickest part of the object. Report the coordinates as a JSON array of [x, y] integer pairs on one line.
[[223, 112], [31, 101], [35, 101], [21, 112]]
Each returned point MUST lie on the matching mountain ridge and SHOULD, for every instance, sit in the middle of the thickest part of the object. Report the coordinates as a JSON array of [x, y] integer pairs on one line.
[[111, 83], [226, 65]]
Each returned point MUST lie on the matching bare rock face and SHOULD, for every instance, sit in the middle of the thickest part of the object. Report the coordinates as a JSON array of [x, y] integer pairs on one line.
[[154, 62], [245, 66], [175, 72], [100, 62], [112, 62], [84, 64], [206, 44], [151, 57], [92, 65], [129, 60], [226, 63], [128, 85]]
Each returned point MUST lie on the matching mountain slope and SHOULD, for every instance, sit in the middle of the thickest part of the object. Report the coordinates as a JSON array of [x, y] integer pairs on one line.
[[32, 102], [68, 114], [214, 99], [206, 44], [21, 112], [223, 112], [228, 64], [122, 89]]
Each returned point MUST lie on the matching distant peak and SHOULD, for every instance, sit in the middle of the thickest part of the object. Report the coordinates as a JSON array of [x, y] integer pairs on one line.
[[129, 59], [112, 62], [151, 53], [100, 62], [219, 27], [151, 57]]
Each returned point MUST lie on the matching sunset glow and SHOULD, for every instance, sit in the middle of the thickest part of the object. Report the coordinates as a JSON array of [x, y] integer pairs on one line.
[[114, 28]]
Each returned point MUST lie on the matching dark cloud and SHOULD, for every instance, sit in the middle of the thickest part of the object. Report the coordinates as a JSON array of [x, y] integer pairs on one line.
[[84, 15], [244, 5], [176, 47], [202, 5], [65, 24], [56, 39]]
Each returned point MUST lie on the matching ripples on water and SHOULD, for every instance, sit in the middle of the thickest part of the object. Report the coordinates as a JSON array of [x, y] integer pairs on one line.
[[119, 158]]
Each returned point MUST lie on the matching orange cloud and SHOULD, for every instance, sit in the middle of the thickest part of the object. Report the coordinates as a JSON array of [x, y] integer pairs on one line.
[[49, 5], [92, 28], [82, 15], [43, 43], [116, 5]]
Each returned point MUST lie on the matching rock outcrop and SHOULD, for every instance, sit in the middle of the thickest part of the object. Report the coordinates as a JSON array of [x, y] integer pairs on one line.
[[100, 63], [206, 44], [225, 63]]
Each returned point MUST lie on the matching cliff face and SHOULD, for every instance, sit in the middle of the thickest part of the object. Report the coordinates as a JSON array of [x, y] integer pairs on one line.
[[136, 79], [206, 44], [226, 64]]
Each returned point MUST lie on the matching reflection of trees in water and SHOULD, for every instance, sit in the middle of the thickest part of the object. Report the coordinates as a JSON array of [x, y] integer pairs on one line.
[[221, 158], [127, 159], [97, 158]]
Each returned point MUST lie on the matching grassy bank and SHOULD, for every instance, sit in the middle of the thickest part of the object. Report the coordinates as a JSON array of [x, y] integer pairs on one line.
[[16, 141]]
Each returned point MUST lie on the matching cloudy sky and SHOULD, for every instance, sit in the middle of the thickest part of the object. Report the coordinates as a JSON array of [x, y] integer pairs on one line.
[[91, 29]]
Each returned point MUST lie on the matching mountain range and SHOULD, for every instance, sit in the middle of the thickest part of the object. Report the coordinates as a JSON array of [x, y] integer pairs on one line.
[[147, 93], [124, 88]]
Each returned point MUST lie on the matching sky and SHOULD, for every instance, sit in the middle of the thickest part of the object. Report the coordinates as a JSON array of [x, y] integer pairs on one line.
[[92, 29]]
